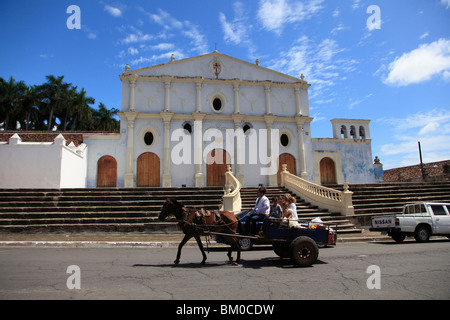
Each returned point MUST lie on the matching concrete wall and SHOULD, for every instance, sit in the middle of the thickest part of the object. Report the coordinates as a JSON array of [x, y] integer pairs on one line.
[[42, 165], [352, 157]]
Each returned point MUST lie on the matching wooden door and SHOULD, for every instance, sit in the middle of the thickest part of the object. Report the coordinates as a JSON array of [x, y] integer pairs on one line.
[[148, 170], [286, 158], [216, 166], [107, 172], [327, 171]]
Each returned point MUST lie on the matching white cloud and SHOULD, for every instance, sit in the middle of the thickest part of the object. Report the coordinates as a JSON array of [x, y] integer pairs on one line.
[[432, 129], [115, 12], [157, 57], [274, 14], [356, 4], [424, 35], [163, 46], [420, 64], [133, 51], [238, 30], [46, 55], [198, 42], [135, 36], [446, 3], [319, 62]]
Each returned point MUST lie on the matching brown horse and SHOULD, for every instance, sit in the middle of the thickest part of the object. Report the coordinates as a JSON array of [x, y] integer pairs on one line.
[[195, 223]]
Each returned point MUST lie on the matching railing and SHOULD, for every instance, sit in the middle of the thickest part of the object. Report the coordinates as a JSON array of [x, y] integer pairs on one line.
[[232, 196], [323, 197]]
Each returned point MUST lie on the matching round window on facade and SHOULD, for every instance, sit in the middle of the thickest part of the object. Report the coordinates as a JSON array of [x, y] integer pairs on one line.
[[284, 140], [148, 138], [217, 104]]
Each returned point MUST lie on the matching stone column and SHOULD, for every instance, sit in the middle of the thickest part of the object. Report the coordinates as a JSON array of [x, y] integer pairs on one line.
[[132, 87], [297, 101], [272, 179], [198, 148], [129, 172], [167, 177], [236, 98], [237, 118], [301, 149], [198, 86], [267, 92], [167, 95]]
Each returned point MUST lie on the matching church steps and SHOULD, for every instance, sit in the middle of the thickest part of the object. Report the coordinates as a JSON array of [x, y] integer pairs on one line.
[[389, 198], [115, 227], [103, 209]]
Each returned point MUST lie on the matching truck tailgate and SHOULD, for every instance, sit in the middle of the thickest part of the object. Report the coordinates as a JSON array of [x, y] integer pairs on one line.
[[383, 222]]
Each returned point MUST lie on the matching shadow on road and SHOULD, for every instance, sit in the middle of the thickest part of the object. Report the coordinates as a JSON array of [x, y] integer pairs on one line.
[[271, 262]]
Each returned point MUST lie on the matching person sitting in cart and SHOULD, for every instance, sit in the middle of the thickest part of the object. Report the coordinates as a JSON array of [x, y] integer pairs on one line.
[[289, 203], [276, 212], [290, 210], [259, 212]]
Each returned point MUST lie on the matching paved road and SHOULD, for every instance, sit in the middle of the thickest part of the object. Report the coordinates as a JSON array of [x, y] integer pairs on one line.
[[407, 271]]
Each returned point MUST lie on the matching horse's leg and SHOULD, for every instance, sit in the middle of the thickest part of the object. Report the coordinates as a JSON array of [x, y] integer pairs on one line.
[[234, 244], [229, 254], [200, 245], [238, 248], [180, 246]]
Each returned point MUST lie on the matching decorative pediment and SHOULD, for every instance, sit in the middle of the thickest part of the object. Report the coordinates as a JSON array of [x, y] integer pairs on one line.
[[213, 66]]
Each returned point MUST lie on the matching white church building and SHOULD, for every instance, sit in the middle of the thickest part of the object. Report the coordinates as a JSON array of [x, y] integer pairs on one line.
[[183, 121]]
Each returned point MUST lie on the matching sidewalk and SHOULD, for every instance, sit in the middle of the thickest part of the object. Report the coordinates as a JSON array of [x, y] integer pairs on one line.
[[134, 240]]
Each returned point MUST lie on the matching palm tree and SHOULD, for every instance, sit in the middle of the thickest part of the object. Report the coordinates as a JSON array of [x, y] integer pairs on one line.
[[11, 93], [29, 110], [82, 110], [104, 119], [57, 91]]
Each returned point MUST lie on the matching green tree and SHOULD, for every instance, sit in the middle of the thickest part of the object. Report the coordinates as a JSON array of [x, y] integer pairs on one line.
[[104, 119], [11, 93], [56, 91]]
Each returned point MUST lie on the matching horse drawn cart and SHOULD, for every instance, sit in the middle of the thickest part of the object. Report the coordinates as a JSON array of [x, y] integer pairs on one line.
[[300, 244]]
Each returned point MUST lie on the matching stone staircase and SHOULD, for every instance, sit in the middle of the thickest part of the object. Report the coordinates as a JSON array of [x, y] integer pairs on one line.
[[389, 198], [125, 209], [306, 212], [99, 209]]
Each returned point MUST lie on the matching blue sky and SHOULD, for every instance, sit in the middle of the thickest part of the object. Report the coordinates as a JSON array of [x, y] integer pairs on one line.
[[397, 75]]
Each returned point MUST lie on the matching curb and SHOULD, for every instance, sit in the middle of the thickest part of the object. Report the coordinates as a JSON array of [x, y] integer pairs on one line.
[[146, 244]]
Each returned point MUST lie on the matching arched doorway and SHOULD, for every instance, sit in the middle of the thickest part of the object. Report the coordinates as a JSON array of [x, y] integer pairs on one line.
[[148, 170], [107, 172], [327, 171], [286, 158], [216, 166]]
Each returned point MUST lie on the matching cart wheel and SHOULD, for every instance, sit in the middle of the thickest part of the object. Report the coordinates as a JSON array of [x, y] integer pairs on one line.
[[304, 251], [281, 249]]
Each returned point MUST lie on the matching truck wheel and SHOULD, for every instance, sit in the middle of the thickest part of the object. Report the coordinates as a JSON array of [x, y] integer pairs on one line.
[[398, 237], [281, 249], [304, 251], [422, 234], [246, 244]]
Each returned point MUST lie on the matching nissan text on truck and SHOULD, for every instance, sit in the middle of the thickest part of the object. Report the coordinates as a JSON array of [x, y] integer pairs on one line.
[[420, 220]]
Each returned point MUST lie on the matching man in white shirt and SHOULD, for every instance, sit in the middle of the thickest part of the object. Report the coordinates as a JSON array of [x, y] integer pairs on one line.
[[259, 212]]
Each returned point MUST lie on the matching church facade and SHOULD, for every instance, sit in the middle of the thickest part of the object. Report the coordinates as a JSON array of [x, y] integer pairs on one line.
[[184, 121]]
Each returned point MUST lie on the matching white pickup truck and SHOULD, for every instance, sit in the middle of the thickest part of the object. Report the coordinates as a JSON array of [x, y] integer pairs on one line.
[[420, 220]]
